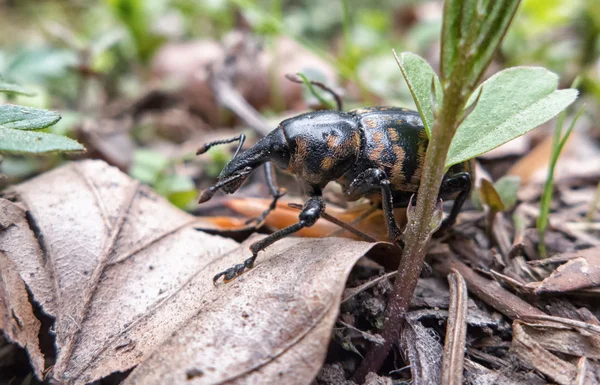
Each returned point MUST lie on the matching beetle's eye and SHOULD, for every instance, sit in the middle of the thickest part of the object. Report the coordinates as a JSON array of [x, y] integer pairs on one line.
[[279, 150], [280, 155]]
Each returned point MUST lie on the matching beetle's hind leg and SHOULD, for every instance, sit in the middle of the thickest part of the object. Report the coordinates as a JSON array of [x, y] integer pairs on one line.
[[374, 178], [461, 183], [311, 211]]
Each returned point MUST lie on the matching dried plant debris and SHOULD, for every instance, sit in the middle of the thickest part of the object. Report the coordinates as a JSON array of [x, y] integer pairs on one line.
[[128, 280], [17, 319], [534, 354], [422, 348], [456, 331], [581, 271]]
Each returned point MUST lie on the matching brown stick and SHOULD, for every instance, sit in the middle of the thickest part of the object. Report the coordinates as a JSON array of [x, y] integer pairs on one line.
[[491, 292], [456, 331]]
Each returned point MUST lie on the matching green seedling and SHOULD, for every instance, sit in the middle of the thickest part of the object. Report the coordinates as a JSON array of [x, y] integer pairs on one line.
[[558, 142]]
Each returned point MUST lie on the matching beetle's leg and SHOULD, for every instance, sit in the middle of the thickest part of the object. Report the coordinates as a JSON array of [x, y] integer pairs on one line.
[[459, 182], [376, 178], [275, 191], [311, 211]]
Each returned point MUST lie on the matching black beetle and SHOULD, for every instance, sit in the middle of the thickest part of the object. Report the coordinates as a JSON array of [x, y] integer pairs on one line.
[[375, 152]]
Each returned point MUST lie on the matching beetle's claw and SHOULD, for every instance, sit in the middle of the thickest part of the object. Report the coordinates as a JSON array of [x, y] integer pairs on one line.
[[234, 271]]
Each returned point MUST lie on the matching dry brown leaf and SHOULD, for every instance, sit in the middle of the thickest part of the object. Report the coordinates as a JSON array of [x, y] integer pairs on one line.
[[581, 271], [373, 224], [16, 314], [537, 159], [528, 349], [129, 280], [565, 340], [271, 325]]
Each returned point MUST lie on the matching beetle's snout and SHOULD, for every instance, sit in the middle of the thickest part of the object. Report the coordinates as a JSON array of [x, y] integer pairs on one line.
[[227, 183], [234, 184]]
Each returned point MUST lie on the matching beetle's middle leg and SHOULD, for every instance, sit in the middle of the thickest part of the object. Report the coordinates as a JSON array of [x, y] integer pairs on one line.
[[461, 183], [311, 211], [373, 178], [275, 192]]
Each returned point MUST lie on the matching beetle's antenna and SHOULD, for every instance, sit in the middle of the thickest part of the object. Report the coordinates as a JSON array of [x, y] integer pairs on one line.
[[241, 138]]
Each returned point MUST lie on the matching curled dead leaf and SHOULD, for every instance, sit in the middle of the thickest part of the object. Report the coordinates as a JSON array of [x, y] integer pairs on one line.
[[581, 271], [128, 279], [16, 314]]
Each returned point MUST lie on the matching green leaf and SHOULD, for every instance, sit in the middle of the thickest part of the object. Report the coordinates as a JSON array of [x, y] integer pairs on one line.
[[511, 103], [26, 118], [472, 31], [419, 76], [178, 189], [11, 88], [18, 141]]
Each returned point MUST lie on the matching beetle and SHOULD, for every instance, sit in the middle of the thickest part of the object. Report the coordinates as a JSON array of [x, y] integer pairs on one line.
[[374, 152]]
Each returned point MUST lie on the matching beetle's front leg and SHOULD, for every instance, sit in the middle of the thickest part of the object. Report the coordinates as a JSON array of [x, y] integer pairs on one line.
[[311, 212], [275, 191], [374, 178]]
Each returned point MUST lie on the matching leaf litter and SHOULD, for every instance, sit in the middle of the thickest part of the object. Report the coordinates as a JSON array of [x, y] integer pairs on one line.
[[127, 278]]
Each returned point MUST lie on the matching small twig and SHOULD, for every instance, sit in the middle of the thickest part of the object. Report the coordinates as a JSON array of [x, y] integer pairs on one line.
[[582, 371], [367, 336], [491, 292], [350, 293], [578, 325], [456, 331], [342, 224], [233, 100], [301, 79]]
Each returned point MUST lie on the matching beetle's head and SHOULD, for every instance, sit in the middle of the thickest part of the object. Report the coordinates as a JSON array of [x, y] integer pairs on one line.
[[272, 147]]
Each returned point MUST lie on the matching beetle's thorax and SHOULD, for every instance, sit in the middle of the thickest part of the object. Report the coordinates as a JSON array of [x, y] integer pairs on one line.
[[323, 145]]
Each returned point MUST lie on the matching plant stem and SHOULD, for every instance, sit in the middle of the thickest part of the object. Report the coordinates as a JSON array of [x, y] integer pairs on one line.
[[418, 232], [465, 56]]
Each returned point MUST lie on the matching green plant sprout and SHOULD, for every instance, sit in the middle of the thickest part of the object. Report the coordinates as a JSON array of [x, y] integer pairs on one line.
[[328, 104], [558, 143], [20, 127], [465, 119]]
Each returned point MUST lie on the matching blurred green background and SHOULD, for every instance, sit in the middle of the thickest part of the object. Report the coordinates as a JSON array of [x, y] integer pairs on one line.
[[98, 62]]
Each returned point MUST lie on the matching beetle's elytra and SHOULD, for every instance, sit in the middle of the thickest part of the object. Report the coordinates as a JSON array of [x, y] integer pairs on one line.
[[374, 152]]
